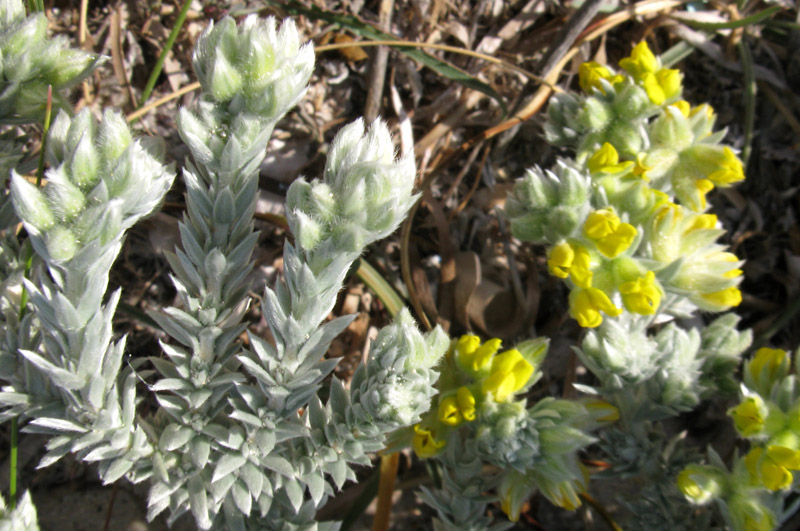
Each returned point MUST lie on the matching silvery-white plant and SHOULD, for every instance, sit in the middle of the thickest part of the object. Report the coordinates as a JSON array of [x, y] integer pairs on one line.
[[21, 518], [232, 446], [101, 181], [241, 439]]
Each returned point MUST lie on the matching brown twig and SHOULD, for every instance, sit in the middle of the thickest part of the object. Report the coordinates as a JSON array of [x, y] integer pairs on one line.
[[377, 67]]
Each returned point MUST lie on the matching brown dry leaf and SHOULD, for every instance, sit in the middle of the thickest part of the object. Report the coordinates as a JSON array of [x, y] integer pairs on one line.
[[354, 53]]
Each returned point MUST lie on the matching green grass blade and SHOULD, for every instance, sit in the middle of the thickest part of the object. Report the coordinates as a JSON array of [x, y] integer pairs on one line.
[[749, 98], [370, 276], [733, 24], [368, 32], [151, 82]]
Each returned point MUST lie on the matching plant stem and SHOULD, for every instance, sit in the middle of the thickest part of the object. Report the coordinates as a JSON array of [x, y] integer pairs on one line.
[[148, 89], [12, 473]]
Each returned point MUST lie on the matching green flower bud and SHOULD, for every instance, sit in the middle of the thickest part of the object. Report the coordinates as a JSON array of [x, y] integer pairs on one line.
[[61, 243], [20, 38], [224, 81], [701, 484], [114, 137], [66, 199], [626, 137], [84, 163], [594, 114], [631, 102], [30, 203], [671, 130]]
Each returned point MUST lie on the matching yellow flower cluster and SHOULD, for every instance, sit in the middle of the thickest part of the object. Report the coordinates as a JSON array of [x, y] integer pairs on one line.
[[660, 84], [477, 373], [773, 426]]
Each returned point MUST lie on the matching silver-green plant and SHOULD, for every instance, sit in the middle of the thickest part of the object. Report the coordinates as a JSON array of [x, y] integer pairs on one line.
[[241, 438], [31, 62], [232, 446], [101, 181], [626, 227], [21, 518]]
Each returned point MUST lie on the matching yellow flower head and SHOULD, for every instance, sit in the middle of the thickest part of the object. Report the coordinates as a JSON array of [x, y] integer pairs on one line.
[[466, 403], [590, 74], [702, 187], [730, 169], [586, 304], [642, 295], [771, 468], [724, 299], [425, 443], [768, 365], [449, 413], [565, 260], [509, 373], [704, 221], [606, 160], [560, 260], [641, 168], [684, 107], [609, 234], [472, 355], [669, 85], [700, 484], [640, 62], [749, 416]]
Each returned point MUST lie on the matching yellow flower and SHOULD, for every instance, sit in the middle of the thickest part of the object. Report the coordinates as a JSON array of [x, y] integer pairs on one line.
[[586, 304], [581, 273], [642, 295], [448, 411], [772, 363], [590, 74], [606, 160], [684, 107], [730, 169], [640, 62], [567, 260], [472, 355], [704, 221], [466, 403], [560, 260], [749, 416], [700, 483], [425, 443], [609, 234], [771, 468], [509, 373], [640, 169], [702, 187], [723, 299]]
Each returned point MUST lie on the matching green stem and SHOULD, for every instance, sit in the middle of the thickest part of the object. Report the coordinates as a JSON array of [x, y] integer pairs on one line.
[[12, 473], [148, 89]]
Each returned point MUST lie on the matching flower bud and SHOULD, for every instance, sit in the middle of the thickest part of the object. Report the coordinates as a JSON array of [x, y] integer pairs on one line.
[[750, 415], [701, 484], [30, 203], [766, 368], [61, 243]]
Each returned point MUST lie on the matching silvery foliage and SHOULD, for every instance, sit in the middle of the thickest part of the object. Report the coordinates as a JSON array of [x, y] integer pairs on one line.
[[651, 377], [22, 518], [461, 502], [30, 62], [232, 448], [101, 181]]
